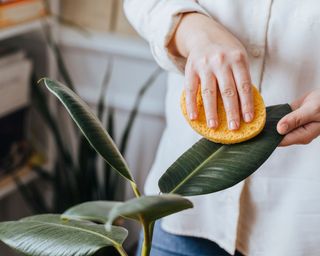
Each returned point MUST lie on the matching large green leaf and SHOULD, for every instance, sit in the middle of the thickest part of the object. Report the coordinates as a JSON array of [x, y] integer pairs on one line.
[[96, 211], [47, 235], [149, 208], [90, 126], [208, 167]]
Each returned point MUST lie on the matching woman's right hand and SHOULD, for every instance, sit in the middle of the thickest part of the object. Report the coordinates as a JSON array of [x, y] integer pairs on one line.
[[218, 60]]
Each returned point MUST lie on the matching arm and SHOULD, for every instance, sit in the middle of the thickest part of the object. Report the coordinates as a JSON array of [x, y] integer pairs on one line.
[[181, 34], [156, 21], [218, 60]]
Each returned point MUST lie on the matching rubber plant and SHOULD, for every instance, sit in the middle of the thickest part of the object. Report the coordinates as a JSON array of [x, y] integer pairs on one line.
[[84, 229]]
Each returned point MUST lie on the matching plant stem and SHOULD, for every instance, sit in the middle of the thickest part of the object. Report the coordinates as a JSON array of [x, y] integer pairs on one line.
[[121, 251], [135, 189], [146, 247], [151, 228]]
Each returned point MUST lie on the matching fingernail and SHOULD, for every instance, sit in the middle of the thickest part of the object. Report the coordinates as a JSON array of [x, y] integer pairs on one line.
[[213, 123], [193, 116], [284, 127], [233, 125], [248, 117]]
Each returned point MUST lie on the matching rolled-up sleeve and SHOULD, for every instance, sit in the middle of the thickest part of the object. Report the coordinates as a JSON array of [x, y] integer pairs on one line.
[[156, 21]]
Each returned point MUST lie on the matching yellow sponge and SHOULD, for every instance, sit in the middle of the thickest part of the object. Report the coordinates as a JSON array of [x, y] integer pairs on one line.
[[222, 134]]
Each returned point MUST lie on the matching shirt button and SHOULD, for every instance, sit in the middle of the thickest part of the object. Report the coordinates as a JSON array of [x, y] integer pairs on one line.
[[256, 52]]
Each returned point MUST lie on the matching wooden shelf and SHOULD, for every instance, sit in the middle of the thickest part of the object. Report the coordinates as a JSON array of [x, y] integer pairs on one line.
[[23, 28], [7, 183]]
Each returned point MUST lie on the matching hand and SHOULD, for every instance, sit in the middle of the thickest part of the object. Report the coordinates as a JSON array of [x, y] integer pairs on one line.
[[217, 59], [303, 124]]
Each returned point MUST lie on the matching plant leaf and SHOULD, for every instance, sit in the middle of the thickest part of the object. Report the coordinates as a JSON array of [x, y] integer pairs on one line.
[[40, 100], [208, 167], [49, 235], [149, 208], [96, 211], [90, 126]]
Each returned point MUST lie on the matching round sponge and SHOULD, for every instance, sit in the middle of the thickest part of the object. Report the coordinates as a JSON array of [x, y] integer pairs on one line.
[[222, 134]]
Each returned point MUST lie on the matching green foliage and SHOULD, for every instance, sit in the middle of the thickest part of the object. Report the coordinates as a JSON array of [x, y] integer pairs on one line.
[[149, 208], [90, 127], [84, 229], [96, 211], [49, 235], [208, 167]]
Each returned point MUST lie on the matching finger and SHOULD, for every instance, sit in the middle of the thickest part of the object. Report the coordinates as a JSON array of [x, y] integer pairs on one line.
[[209, 97], [229, 96], [191, 88], [297, 103], [303, 135], [295, 119], [243, 83]]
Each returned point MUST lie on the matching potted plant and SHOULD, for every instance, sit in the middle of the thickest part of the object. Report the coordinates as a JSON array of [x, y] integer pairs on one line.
[[86, 228]]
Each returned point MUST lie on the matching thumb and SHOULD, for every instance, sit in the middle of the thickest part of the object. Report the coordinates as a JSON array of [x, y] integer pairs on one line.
[[295, 119]]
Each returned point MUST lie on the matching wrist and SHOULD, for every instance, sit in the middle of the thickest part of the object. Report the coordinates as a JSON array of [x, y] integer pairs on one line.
[[191, 32]]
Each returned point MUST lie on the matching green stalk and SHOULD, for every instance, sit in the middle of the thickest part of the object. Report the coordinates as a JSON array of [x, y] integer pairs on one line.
[[135, 189], [151, 228], [121, 250], [146, 246]]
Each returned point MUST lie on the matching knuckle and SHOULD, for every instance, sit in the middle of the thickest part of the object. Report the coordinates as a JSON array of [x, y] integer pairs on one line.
[[228, 92], [297, 121], [316, 109], [246, 107], [207, 91], [203, 61], [210, 116], [191, 91], [190, 105], [245, 87], [306, 141], [238, 56], [218, 59], [232, 114]]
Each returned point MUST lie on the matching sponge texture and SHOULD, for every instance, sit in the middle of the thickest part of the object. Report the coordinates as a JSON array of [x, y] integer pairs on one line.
[[222, 134]]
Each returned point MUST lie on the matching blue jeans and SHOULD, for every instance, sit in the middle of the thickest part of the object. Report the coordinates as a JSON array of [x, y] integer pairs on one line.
[[166, 244]]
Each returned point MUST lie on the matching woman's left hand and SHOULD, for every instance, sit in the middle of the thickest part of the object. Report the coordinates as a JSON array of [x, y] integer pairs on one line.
[[302, 125]]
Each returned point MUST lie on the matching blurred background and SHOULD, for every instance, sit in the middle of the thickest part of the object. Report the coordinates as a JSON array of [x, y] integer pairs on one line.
[[45, 163]]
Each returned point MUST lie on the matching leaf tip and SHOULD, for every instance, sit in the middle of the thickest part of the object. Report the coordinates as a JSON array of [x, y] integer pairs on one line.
[[41, 80]]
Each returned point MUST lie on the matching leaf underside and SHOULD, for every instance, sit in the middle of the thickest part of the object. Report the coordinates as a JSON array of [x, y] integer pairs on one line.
[[96, 211], [150, 208], [47, 235], [209, 167]]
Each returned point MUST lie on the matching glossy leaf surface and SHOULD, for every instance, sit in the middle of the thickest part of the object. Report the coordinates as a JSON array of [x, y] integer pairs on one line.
[[90, 126], [208, 167], [42, 235], [97, 211]]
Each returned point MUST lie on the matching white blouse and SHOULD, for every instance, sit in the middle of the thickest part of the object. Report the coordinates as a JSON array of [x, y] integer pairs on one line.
[[276, 211]]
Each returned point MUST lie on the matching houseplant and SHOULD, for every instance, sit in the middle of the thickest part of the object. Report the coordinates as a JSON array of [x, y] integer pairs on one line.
[[88, 227]]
